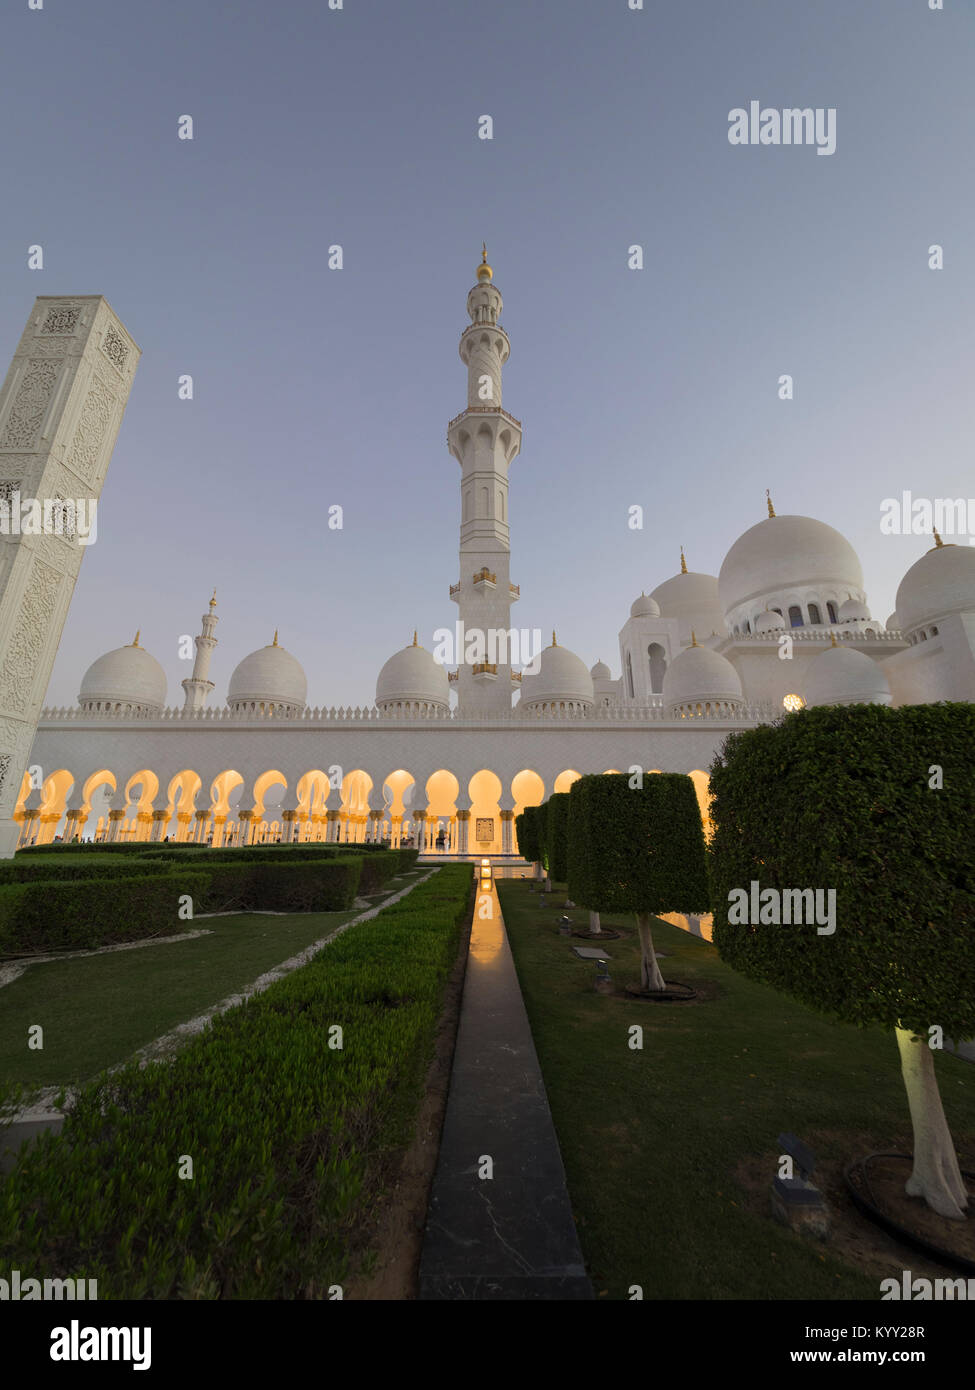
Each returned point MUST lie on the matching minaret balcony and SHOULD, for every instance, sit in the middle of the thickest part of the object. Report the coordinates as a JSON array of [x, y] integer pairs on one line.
[[453, 675], [484, 410], [455, 592], [515, 591], [485, 671], [484, 580], [516, 678]]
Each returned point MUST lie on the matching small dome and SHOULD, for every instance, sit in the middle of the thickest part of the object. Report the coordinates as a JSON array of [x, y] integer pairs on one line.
[[893, 623], [126, 676], [269, 676], [769, 621], [562, 678], [601, 672], [644, 607], [700, 676], [844, 676], [853, 611], [940, 583], [413, 676], [782, 553], [693, 600]]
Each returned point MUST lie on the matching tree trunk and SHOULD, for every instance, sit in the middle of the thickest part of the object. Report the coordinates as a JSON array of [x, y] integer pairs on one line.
[[538, 869], [650, 976], [548, 883], [936, 1176], [594, 927]]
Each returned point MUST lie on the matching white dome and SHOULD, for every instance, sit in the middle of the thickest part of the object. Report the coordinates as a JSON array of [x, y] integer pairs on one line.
[[644, 607], [844, 676], [853, 611], [601, 672], [783, 553], [940, 583], [126, 676], [769, 621], [699, 675], [270, 675], [693, 600], [562, 676], [893, 623], [413, 676]]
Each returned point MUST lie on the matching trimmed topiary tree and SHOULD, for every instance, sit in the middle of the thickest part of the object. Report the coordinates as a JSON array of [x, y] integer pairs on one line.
[[557, 834], [864, 815], [577, 856], [643, 853], [529, 844]]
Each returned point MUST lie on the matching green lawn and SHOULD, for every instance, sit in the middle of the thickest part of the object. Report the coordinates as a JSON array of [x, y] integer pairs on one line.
[[97, 1010], [651, 1139]]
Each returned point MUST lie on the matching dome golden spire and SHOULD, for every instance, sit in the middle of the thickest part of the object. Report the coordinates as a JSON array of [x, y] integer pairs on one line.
[[484, 271], [768, 499], [938, 542], [137, 636], [414, 637], [683, 562], [275, 642], [832, 640], [693, 638]]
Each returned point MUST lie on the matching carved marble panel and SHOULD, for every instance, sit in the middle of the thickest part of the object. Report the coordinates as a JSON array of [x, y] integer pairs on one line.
[[30, 403], [25, 645]]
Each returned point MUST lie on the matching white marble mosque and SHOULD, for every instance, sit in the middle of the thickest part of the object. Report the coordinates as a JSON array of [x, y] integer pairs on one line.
[[451, 752]]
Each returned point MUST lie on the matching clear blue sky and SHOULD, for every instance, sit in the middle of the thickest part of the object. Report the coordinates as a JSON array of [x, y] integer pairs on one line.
[[314, 387]]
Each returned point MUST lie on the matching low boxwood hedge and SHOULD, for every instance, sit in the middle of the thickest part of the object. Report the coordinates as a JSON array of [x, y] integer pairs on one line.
[[49, 870], [84, 913], [289, 1137]]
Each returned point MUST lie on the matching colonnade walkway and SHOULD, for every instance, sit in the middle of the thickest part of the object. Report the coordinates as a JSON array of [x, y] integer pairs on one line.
[[499, 1223]]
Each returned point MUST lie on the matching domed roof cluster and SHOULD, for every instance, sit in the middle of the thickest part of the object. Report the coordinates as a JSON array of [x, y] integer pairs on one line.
[[693, 600], [412, 677], [644, 607], [127, 679], [942, 582], [271, 679], [844, 676], [701, 681], [561, 680]]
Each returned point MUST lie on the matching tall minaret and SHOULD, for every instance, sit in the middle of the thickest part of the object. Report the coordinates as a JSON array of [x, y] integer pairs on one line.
[[197, 686], [61, 406], [484, 439]]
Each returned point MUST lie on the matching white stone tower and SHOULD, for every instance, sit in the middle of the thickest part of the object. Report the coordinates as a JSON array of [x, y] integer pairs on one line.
[[197, 686], [61, 406], [484, 440]]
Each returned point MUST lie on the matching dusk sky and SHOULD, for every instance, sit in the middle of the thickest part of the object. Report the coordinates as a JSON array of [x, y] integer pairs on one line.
[[658, 387]]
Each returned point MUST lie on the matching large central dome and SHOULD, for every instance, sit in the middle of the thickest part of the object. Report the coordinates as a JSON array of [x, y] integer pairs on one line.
[[784, 554]]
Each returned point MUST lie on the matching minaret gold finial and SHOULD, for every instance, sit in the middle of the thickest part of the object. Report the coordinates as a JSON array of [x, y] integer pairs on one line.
[[768, 498], [275, 642], [213, 600], [938, 542], [484, 271], [693, 638], [683, 562], [484, 252], [137, 636], [414, 636], [832, 639]]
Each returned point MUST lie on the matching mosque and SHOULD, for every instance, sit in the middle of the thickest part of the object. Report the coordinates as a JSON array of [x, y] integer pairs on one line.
[[446, 758]]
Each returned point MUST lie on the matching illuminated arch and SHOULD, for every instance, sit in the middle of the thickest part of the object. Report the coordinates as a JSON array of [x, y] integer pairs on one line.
[[484, 790], [563, 782]]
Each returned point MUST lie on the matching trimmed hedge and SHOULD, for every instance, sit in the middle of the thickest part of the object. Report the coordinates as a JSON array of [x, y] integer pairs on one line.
[[86, 913], [328, 886], [644, 846], [526, 828], [290, 1138], [557, 834], [48, 870], [839, 798]]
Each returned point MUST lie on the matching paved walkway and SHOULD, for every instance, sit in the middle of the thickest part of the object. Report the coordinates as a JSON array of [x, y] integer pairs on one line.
[[509, 1236]]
